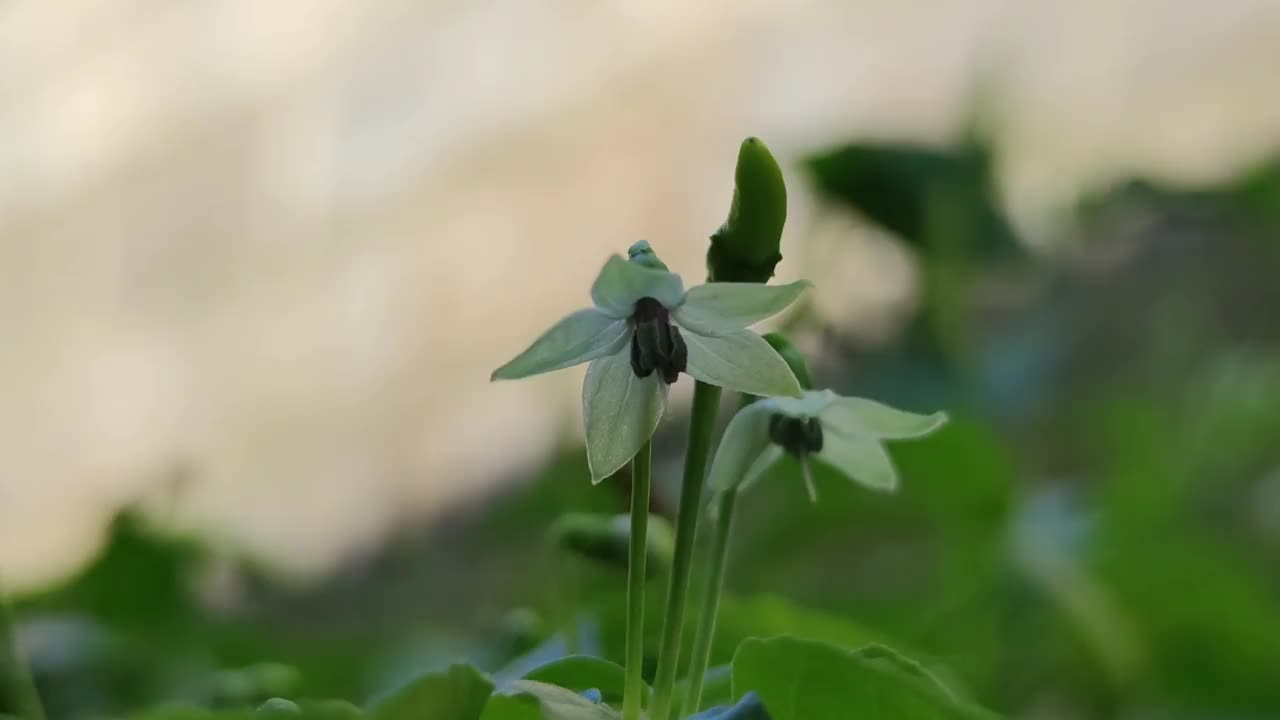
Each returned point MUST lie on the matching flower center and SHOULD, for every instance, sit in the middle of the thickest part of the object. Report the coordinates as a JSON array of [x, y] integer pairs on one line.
[[799, 436], [656, 343]]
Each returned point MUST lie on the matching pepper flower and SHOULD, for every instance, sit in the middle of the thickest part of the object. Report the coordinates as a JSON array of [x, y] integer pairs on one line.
[[845, 433], [643, 330]]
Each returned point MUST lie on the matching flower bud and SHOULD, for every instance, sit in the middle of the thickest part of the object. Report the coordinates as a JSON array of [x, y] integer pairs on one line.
[[746, 247]]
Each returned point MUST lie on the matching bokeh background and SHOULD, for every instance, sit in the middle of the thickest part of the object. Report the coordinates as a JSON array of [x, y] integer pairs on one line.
[[257, 261]]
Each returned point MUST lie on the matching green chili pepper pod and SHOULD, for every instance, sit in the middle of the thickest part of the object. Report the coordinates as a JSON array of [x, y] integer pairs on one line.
[[746, 247], [603, 540], [793, 357]]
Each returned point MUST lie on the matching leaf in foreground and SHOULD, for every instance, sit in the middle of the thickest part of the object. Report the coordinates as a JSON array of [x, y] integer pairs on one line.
[[458, 693], [808, 680]]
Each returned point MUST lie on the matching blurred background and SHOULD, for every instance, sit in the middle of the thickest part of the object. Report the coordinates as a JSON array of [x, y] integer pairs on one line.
[[257, 261]]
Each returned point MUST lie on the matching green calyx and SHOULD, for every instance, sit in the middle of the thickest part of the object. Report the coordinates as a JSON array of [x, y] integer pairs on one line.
[[746, 247], [642, 253]]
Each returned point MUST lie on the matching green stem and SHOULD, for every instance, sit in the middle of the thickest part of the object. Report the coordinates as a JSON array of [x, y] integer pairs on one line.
[[710, 602], [24, 685], [706, 404], [633, 691]]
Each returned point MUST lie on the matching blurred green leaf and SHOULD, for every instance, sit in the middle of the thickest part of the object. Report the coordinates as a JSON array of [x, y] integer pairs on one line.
[[459, 693], [582, 672], [899, 186], [807, 680], [279, 708], [330, 710], [191, 712], [559, 703], [605, 539], [512, 707]]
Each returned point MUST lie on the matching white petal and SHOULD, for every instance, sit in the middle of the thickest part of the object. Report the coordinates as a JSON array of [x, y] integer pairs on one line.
[[719, 308], [745, 439], [740, 361], [862, 459], [621, 283], [812, 404], [582, 336], [767, 460], [620, 411], [859, 416]]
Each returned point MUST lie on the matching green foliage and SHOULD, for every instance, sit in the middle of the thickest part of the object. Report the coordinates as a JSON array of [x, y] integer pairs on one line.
[[807, 680], [459, 693], [908, 189], [603, 540], [558, 703], [580, 673]]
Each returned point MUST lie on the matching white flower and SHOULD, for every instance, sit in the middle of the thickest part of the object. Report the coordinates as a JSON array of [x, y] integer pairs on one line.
[[644, 330], [844, 433]]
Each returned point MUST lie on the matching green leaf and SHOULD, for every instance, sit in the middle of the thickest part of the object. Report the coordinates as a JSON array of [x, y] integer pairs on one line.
[[860, 416], [459, 693], [621, 283], [606, 539], [512, 707], [620, 412], [584, 335], [581, 672], [559, 703], [723, 307], [330, 710], [740, 361], [191, 712], [809, 680], [895, 186], [278, 707]]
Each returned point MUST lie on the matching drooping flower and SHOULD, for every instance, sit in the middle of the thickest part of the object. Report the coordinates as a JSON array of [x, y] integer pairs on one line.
[[642, 332], [845, 433]]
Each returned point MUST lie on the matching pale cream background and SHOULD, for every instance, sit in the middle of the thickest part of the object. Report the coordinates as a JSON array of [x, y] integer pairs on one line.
[[281, 244]]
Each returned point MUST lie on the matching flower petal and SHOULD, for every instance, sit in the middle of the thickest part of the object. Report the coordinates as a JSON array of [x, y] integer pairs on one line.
[[584, 335], [724, 307], [811, 405], [767, 460], [620, 411], [860, 416], [745, 440], [740, 361], [620, 284], [862, 459]]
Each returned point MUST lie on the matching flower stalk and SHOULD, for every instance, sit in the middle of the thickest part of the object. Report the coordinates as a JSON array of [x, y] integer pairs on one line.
[[723, 517], [633, 689], [706, 405], [706, 626]]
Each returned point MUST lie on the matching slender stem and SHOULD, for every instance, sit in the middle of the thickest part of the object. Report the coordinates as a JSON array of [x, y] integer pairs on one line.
[[633, 691], [706, 404], [710, 602], [24, 685]]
